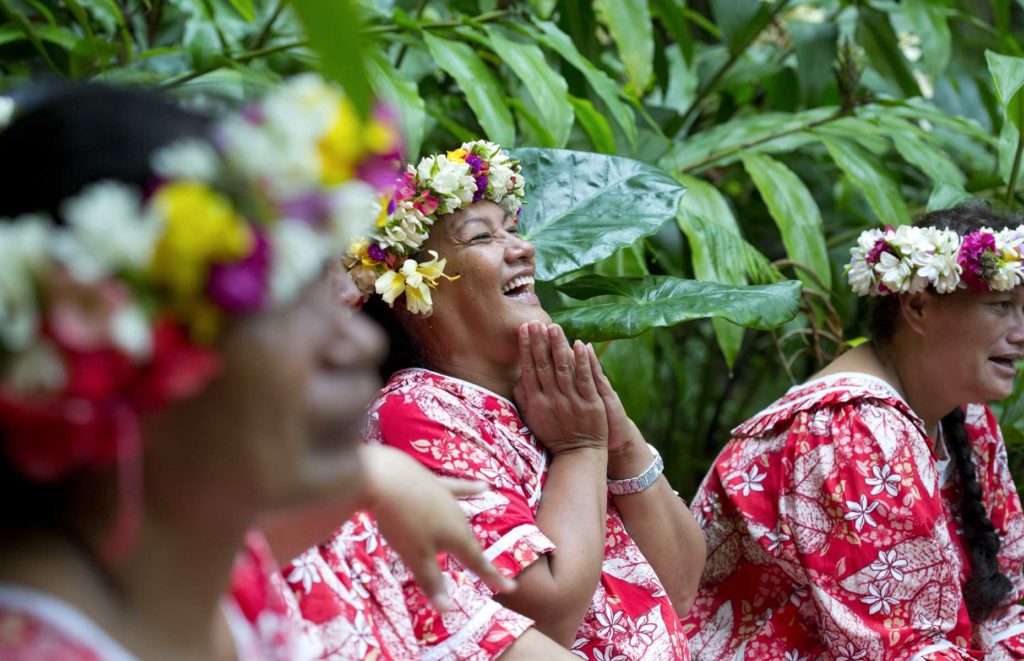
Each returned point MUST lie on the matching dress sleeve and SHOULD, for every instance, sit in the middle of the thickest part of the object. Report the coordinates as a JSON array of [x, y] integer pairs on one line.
[[449, 438], [861, 523], [1001, 635]]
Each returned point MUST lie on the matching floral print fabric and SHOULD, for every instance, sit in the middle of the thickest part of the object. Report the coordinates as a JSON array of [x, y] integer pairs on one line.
[[831, 521], [359, 602], [458, 429]]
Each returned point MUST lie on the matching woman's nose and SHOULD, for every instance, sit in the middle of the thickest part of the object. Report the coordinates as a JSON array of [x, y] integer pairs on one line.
[[519, 248]]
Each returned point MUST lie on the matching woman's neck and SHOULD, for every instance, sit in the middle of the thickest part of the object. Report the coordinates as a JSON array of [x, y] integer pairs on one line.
[[898, 366], [161, 602], [499, 379]]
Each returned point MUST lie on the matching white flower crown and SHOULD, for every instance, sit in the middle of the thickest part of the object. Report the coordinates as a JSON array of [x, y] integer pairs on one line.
[[382, 263], [908, 259]]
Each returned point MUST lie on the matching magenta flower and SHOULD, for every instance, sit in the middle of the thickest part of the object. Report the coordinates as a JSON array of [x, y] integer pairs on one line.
[[977, 259], [875, 254], [376, 253], [242, 286], [311, 206]]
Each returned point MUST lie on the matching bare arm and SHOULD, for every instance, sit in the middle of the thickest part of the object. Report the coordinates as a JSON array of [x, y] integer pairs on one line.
[[533, 645], [558, 396], [657, 520]]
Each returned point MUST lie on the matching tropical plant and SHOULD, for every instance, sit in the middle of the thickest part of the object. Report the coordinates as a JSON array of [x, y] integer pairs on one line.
[[791, 124]]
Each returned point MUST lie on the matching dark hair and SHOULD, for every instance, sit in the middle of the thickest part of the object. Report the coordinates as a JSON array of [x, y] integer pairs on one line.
[[403, 351], [987, 586], [64, 137]]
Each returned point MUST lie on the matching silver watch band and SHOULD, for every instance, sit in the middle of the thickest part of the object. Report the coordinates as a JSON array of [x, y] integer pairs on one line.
[[640, 482]]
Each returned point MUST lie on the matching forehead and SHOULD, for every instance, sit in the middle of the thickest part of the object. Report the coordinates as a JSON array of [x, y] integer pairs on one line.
[[482, 212]]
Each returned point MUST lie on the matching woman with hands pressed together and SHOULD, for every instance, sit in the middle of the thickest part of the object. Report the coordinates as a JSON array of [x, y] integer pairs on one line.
[[606, 555]]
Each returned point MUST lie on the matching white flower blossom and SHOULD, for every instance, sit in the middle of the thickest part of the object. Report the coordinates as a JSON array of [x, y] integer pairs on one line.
[[192, 158], [849, 652], [879, 599], [304, 571], [299, 254], [108, 231], [131, 333], [884, 480], [888, 564], [860, 512], [24, 249], [776, 539], [609, 622], [751, 481]]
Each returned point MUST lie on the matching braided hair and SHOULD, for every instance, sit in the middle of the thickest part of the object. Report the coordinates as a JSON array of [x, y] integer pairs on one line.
[[987, 586]]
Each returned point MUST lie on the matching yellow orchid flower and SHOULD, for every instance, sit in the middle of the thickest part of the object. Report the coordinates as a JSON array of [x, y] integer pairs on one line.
[[458, 155], [415, 280]]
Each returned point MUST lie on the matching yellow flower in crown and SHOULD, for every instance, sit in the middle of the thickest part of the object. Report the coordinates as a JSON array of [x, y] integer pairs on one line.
[[415, 280], [458, 155], [201, 228], [341, 146]]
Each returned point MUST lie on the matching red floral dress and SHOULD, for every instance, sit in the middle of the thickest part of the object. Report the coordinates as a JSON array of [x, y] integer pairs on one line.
[[35, 626], [360, 602], [461, 430], [832, 534]]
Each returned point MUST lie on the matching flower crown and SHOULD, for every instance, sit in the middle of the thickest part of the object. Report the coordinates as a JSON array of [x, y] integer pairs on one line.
[[908, 259], [110, 316], [384, 262]]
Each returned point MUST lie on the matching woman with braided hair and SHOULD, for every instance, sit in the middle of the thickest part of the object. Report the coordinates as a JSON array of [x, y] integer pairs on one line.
[[870, 512]]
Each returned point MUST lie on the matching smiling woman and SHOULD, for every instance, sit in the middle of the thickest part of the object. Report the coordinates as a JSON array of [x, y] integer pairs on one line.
[[606, 555], [870, 513]]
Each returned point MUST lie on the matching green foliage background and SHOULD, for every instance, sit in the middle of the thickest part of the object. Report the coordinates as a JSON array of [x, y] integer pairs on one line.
[[792, 126]]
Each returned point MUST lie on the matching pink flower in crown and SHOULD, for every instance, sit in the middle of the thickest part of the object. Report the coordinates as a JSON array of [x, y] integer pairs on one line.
[[427, 204], [242, 286], [978, 259], [875, 254]]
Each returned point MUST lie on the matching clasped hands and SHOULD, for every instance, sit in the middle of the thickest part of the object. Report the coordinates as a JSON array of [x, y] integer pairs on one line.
[[564, 396]]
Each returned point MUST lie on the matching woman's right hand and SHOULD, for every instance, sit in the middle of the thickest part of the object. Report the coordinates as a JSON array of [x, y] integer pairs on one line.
[[556, 391]]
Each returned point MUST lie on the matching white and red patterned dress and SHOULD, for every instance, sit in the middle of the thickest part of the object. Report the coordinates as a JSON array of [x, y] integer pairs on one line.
[[459, 429], [35, 626], [831, 521], [359, 601]]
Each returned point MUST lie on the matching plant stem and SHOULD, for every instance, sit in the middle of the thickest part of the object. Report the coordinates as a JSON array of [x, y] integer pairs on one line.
[[244, 57], [268, 28], [734, 57], [485, 17], [416, 16], [704, 162], [1011, 185]]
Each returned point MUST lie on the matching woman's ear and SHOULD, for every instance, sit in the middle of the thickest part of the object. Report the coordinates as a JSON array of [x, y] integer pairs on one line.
[[916, 309]]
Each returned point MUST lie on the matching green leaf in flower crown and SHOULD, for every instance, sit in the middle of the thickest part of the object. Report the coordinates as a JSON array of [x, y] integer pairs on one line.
[[629, 306], [581, 207]]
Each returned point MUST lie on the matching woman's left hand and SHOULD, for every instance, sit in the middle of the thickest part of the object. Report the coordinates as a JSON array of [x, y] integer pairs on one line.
[[419, 517], [622, 431]]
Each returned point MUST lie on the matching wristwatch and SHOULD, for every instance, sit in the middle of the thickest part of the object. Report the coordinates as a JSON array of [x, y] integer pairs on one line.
[[640, 482]]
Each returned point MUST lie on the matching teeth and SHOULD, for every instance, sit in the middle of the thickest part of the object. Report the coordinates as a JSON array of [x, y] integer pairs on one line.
[[517, 282]]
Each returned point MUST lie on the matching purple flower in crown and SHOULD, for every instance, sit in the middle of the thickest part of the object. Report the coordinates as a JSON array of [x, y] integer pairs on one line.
[[242, 286], [978, 260], [311, 206], [391, 205], [474, 162], [481, 186], [376, 253]]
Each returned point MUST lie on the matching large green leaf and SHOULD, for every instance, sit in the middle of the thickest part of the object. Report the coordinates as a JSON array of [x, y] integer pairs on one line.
[[630, 26], [1008, 76], [815, 45], [401, 94], [582, 207], [864, 171], [672, 14], [916, 147], [629, 306], [335, 32], [766, 132], [245, 8], [630, 364], [875, 34], [546, 86], [604, 86], [704, 204], [736, 19], [928, 18], [795, 214], [484, 93], [594, 124]]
